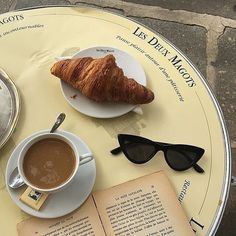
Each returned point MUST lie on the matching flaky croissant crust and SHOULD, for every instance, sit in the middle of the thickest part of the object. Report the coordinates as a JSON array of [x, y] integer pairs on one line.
[[101, 80]]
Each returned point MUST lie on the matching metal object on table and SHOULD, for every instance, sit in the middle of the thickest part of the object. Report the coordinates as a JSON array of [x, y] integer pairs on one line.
[[15, 180], [9, 107], [58, 122]]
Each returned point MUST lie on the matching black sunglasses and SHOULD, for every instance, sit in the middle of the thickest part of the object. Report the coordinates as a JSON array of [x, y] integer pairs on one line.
[[140, 150]]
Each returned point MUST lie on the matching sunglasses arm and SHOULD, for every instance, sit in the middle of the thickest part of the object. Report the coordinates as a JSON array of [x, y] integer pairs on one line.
[[116, 151], [198, 168]]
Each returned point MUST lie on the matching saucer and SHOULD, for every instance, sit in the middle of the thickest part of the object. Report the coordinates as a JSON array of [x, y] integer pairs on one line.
[[131, 68], [65, 201]]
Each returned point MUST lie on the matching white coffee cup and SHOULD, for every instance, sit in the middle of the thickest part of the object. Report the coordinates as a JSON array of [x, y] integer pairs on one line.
[[80, 159]]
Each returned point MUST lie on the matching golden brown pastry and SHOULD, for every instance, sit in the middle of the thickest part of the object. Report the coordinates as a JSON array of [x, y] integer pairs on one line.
[[101, 80]]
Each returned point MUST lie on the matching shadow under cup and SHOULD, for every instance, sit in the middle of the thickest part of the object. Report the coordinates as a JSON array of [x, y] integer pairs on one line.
[[48, 162]]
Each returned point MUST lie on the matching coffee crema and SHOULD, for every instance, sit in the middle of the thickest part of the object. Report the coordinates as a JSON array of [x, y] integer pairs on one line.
[[49, 163]]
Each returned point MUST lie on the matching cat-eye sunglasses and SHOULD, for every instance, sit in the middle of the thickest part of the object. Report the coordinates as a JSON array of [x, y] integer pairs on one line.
[[140, 150]]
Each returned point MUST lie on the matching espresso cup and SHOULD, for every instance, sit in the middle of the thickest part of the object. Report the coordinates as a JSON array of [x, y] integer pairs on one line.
[[49, 162]]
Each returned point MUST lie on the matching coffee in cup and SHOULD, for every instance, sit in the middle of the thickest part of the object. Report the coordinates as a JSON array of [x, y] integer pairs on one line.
[[48, 162]]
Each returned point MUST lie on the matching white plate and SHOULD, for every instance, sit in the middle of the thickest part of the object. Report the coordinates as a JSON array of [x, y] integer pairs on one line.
[[64, 202], [131, 68]]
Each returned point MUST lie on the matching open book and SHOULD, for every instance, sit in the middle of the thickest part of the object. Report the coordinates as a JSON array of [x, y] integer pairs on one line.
[[146, 206]]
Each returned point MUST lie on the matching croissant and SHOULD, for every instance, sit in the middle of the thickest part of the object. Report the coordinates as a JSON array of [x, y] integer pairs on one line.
[[101, 80]]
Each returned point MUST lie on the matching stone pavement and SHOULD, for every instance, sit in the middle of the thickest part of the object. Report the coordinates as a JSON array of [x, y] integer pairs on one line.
[[205, 31]]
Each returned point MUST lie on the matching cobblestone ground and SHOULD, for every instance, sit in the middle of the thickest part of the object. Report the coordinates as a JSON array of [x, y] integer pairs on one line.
[[205, 31]]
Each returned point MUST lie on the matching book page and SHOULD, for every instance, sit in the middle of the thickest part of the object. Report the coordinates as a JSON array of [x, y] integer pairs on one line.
[[146, 206], [83, 222]]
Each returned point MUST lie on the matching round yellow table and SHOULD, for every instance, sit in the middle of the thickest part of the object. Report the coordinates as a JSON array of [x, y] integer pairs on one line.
[[184, 109]]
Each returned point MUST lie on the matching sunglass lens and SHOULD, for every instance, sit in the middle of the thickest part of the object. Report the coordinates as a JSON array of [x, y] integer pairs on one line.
[[180, 159], [139, 152]]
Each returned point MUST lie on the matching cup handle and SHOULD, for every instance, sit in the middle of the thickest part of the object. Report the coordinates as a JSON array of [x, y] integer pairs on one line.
[[84, 158]]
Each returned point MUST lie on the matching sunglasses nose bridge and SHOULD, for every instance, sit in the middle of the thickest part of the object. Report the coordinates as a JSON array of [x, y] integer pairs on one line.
[[160, 147]]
